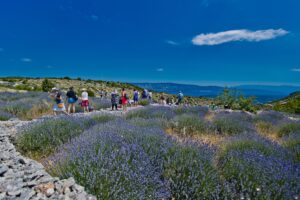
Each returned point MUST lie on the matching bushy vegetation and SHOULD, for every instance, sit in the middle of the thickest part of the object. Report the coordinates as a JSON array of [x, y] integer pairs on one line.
[[144, 102], [47, 85], [236, 101], [190, 125], [132, 157], [290, 104], [26, 106], [42, 138]]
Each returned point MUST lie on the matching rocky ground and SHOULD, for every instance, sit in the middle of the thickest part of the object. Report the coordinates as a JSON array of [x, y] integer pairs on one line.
[[23, 178]]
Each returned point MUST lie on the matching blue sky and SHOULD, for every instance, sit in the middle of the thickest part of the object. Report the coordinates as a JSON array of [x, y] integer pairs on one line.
[[208, 42]]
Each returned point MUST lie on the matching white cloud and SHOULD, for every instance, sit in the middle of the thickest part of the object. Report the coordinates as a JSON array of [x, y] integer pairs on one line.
[[295, 70], [26, 60], [237, 35], [171, 42], [95, 17], [160, 69]]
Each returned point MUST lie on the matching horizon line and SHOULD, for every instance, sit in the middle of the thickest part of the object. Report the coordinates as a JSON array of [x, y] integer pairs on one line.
[[195, 83]]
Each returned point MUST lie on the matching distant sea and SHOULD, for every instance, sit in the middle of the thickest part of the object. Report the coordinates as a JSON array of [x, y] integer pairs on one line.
[[263, 93]]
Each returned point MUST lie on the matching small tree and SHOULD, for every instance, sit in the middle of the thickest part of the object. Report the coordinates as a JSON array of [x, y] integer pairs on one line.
[[91, 93], [227, 98], [47, 85]]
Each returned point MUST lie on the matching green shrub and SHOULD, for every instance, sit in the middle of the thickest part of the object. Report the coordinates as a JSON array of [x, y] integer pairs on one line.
[[47, 85], [91, 93], [234, 100], [144, 102]]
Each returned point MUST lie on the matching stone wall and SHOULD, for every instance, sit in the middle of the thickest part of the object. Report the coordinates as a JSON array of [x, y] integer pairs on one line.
[[23, 178]]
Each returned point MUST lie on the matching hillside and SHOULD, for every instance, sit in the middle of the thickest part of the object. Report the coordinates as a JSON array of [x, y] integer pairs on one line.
[[289, 104], [35, 84]]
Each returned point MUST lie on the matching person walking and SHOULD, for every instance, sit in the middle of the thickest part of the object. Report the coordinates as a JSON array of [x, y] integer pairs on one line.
[[145, 94], [114, 100], [135, 97], [71, 98], [85, 100], [59, 106], [124, 99], [179, 98]]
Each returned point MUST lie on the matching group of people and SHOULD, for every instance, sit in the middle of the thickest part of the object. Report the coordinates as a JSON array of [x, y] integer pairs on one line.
[[124, 100], [71, 99], [170, 101], [116, 100]]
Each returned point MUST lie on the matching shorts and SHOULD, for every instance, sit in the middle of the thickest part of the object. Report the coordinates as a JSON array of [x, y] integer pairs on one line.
[[135, 99], [85, 103], [71, 100]]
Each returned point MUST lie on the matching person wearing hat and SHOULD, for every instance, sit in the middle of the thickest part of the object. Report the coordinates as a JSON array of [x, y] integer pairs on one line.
[[114, 100], [85, 100]]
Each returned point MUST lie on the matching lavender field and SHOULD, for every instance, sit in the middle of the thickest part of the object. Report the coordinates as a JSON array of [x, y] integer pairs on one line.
[[178, 152], [32, 105]]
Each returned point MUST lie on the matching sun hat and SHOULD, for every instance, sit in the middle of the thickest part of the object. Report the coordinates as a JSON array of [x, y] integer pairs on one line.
[[54, 89], [83, 89]]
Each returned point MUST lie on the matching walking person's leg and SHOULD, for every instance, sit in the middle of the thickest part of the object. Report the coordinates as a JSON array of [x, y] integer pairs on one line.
[[74, 108], [69, 108]]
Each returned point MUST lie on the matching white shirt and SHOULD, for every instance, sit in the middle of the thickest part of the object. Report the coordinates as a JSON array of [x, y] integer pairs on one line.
[[85, 96]]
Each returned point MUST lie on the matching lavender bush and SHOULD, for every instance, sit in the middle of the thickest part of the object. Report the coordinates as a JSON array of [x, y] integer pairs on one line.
[[43, 137], [197, 110], [4, 116], [191, 124], [98, 103], [26, 106], [256, 168], [271, 117], [131, 157], [288, 128], [292, 143], [137, 163], [152, 112], [232, 123]]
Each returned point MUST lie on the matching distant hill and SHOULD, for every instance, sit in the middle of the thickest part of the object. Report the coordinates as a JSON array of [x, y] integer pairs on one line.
[[289, 104], [263, 93], [34, 84]]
